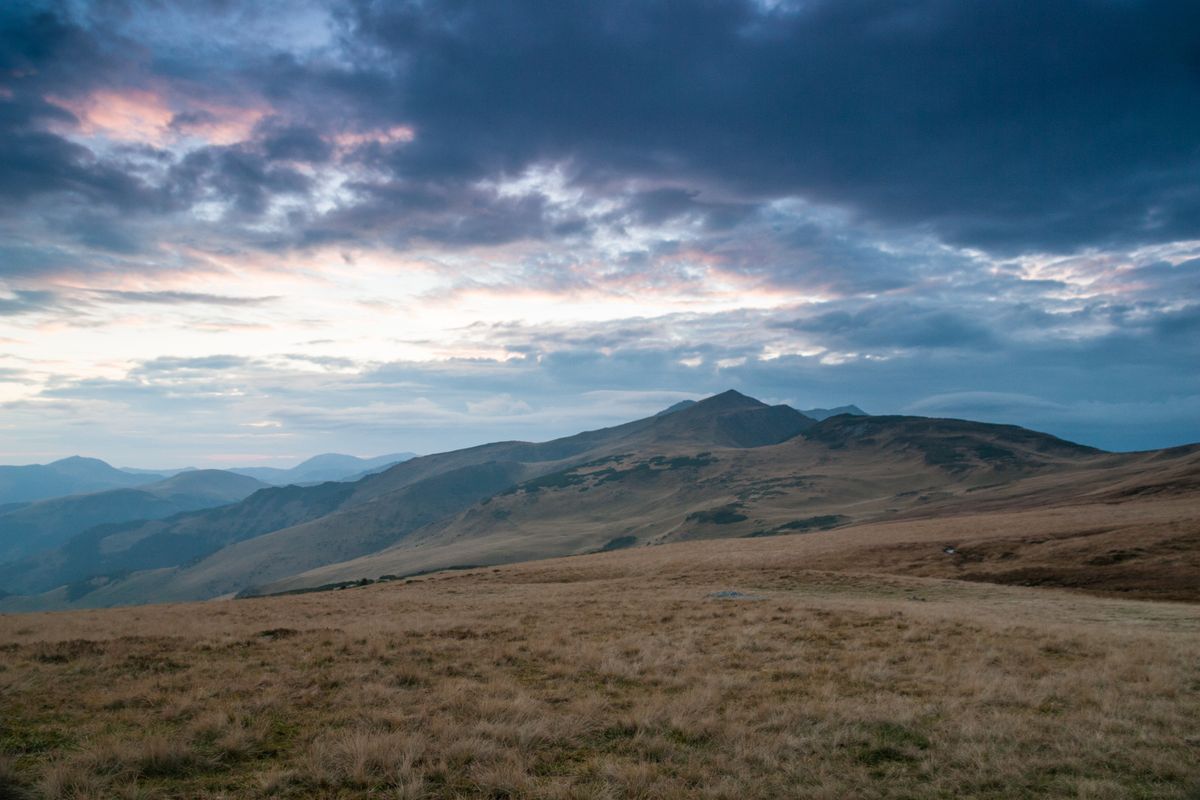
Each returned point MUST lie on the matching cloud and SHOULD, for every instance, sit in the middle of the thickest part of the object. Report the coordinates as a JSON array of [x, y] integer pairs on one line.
[[885, 110], [976, 403], [28, 302], [180, 298], [897, 325], [1072, 133], [499, 405]]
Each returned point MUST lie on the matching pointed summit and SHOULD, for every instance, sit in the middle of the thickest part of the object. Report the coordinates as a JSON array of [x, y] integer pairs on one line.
[[732, 419], [730, 399]]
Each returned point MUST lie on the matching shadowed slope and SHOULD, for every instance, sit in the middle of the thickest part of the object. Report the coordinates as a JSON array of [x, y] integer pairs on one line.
[[48, 523]]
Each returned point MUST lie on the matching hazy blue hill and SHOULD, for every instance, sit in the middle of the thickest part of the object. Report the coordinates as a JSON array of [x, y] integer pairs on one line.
[[45, 524], [821, 414], [193, 533], [324, 467], [153, 473], [66, 476]]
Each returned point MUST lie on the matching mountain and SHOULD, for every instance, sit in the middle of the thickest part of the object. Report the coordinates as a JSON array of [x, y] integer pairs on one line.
[[680, 406], [164, 473], [354, 519], [817, 414], [66, 476], [834, 474], [44, 524], [325, 467], [728, 466], [821, 414]]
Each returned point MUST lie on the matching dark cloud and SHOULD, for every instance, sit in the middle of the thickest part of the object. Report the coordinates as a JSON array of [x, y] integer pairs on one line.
[[402, 213], [656, 206], [1020, 126], [295, 143], [44, 56], [1034, 125], [895, 326], [238, 175]]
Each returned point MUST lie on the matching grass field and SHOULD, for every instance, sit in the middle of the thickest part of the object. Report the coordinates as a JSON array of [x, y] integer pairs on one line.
[[615, 675]]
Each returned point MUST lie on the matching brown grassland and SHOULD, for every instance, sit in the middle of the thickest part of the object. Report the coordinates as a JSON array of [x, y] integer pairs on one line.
[[852, 665]]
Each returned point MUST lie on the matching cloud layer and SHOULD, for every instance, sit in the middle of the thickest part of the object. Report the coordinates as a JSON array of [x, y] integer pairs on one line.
[[444, 222]]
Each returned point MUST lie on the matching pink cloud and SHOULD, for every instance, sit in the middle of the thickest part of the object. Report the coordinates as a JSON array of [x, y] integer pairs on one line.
[[150, 116]]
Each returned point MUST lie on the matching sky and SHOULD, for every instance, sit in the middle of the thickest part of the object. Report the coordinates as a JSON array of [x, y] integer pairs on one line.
[[243, 232]]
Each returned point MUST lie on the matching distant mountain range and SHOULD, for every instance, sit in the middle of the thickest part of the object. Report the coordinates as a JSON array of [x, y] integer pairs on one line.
[[44, 505], [325, 467], [727, 466], [43, 524], [66, 476], [825, 413], [76, 475]]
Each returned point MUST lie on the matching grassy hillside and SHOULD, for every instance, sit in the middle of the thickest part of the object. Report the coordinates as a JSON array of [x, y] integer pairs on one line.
[[840, 474], [719, 669]]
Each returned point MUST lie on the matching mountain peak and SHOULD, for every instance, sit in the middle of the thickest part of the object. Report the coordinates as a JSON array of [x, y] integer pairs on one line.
[[77, 460], [732, 419], [731, 399]]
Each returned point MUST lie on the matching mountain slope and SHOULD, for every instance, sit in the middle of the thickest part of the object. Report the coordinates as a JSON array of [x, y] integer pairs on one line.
[[346, 534], [834, 475], [72, 475]]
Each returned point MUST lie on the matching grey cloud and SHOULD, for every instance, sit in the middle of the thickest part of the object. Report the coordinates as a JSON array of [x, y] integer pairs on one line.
[[1032, 147], [28, 302], [213, 363], [897, 325], [1075, 131], [236, 174], [180, 298]]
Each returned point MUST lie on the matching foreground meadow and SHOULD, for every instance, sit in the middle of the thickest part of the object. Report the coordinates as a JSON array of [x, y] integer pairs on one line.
[[682, 671]]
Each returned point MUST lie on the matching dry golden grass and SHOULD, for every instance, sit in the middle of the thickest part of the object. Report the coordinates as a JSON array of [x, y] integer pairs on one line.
[[612, 676]]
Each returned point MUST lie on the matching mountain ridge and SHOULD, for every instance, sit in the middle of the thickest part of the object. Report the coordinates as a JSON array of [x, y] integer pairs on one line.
[[726, 466]]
